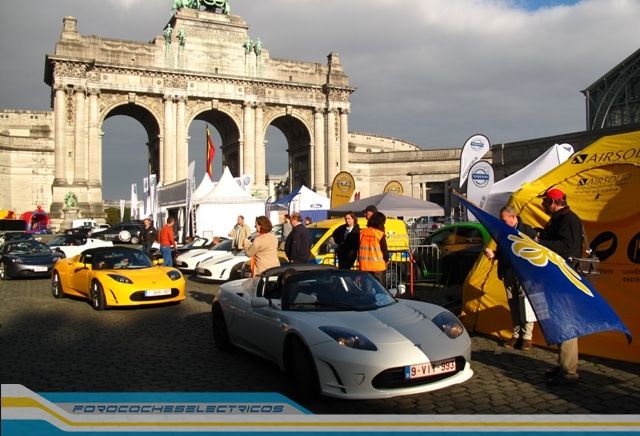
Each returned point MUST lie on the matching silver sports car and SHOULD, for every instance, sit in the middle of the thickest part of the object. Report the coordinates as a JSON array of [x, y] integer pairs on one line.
[[341, 334]]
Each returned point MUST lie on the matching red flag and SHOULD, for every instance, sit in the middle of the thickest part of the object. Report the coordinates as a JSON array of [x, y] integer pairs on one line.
[[211, 152]]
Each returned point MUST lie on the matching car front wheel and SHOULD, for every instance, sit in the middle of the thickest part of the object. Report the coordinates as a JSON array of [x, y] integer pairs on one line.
[[134, 240], [303, 371], [56, 286], [97, 296], [220, 332], [3, 272]]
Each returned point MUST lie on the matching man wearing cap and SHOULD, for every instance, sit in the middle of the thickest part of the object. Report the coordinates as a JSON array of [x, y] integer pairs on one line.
[[562, 234]]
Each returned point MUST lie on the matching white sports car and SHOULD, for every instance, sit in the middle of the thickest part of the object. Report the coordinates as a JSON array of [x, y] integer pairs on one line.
[[223, 268], [341, 334], [188, 260], [72, 245]]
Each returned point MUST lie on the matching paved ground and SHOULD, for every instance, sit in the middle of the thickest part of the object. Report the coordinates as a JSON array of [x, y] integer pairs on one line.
[[64, 345]]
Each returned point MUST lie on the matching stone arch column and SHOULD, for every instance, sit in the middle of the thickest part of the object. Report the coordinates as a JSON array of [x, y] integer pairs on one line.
[[60, 114], [181, 140], [344, 140], [248, 154], [168, 154], [80, 139], [332, 157], [94, 155], [319, 182], [260, 150]]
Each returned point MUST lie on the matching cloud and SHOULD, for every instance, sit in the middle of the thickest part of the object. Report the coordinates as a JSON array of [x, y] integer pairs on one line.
[[432, 72]]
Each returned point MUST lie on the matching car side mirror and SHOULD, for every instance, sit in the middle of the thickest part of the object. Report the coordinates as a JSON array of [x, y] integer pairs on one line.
[[257, 302], [399, 290]]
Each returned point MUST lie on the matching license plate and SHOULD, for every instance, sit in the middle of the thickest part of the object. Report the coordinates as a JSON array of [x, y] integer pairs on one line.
[[40, 269], [429, 369], [157, 292]]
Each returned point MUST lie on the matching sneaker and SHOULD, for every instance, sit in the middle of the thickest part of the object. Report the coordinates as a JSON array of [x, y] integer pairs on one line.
[[526, 344], [552, 372], [510, 343], [562, 379]]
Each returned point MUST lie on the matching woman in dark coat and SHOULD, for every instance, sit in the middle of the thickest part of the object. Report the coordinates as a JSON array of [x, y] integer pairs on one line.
[[347, 238]]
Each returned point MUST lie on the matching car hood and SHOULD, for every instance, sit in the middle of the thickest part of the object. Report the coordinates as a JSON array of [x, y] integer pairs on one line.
[[32, 258], [403, 321], [154, 274]]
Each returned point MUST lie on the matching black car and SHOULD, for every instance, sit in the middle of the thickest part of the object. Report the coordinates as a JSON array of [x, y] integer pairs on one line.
[[16, 236], [26, 258], [79, 231], [125, 232]]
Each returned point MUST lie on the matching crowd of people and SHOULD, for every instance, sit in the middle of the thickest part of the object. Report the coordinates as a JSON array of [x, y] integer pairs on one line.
[[563, 234]]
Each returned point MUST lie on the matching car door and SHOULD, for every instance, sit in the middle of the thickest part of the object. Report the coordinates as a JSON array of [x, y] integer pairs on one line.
[[81, 275], [261, 328]]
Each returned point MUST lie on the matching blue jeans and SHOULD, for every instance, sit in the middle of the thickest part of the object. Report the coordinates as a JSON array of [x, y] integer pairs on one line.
[[166, 255]]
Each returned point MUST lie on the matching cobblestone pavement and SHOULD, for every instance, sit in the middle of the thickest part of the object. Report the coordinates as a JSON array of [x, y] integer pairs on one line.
[[64, 345]]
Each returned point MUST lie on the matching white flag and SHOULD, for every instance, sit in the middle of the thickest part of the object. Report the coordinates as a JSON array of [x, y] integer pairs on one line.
[[480, 184], [134, 201], [122, 204], [472, 151]]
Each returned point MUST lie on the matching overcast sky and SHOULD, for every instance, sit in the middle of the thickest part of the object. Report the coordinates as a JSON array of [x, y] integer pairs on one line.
[[432, 72]]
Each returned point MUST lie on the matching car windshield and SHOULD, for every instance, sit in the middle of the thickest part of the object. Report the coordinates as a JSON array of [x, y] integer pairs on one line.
[[334, 290], [28, 247], [120, 259], [223, 246], [315, 233]]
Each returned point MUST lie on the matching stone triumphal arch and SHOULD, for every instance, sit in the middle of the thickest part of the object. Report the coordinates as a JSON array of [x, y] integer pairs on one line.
[[204, 66]]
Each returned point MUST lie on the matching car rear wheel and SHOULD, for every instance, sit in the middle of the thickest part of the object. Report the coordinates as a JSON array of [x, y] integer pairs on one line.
[[3, 272], [97, 296], [303, 371], [134, 240], [220, 332], [56, 286]]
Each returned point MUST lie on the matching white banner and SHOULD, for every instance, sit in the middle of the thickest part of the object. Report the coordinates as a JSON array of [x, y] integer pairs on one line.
[[472, 151], [152, 199], [480, 184], [122, 204], [134, 202], [191, 184]]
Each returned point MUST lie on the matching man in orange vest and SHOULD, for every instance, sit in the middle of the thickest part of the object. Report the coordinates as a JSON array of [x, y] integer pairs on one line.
[[373, 254]]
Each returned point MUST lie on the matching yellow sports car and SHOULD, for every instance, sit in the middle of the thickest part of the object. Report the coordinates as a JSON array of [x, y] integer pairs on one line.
[[116, 276]]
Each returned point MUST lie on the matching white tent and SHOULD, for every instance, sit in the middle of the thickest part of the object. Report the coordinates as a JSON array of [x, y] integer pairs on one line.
[[205, 186], [218, 210], [304, 201], [502, 190]]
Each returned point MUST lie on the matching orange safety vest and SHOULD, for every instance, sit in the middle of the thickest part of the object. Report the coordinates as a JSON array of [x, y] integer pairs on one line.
[[370, 256]]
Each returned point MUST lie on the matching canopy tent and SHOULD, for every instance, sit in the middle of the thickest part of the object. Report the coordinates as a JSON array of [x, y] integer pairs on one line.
[[601, 183], [204, 188], [393, 205], [218, 210], [304, 201], [502, 190]]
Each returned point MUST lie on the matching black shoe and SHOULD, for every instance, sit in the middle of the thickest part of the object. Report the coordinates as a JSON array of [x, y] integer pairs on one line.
[[552, 372], [511, 343], [562, 379]]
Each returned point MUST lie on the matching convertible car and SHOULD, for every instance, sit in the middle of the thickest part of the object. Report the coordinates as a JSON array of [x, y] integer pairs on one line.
[[341, 334], [189, 260], [225, 268], [71, 245], [116, 276], [26, 258]]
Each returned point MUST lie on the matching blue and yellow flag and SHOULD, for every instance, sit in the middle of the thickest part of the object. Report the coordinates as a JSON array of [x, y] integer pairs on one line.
[[566, 304]]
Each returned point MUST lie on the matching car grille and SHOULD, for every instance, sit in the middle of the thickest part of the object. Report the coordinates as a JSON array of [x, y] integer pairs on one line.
[[393, 378], [139, 296]]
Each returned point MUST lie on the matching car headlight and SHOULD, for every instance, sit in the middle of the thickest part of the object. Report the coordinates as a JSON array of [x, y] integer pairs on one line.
[[349, 338], [120, 279], [17, 260], [174, 274], [449, 324]]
